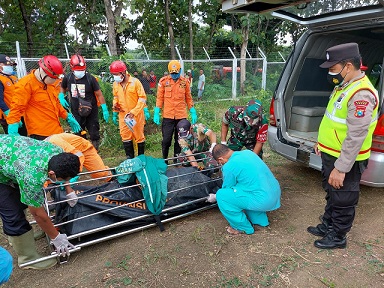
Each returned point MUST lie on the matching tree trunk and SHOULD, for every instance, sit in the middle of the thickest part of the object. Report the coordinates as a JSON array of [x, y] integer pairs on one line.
[[243, 55], [170, 30], [190, 30], [111, 27], [213, 30], [27, 25]]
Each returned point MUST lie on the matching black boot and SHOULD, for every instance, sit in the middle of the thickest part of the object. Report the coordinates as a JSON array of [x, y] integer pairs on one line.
[[165, 153], [140, 148], [321, 229], [128, 148], [332, 240]]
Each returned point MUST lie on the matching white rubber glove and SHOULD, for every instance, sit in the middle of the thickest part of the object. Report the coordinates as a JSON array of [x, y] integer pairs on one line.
[[224, 142], [211, 198], [62, 244], [72, 199], [212, 145]]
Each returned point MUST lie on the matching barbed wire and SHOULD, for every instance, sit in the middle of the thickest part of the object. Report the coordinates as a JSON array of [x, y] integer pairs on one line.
[[61, 50]]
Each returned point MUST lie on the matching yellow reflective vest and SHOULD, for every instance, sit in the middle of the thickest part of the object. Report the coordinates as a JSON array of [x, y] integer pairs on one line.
[[333, 128]]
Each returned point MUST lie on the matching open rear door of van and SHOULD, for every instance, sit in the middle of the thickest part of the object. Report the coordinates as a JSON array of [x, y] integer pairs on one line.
[[259, 7], [310, 13]]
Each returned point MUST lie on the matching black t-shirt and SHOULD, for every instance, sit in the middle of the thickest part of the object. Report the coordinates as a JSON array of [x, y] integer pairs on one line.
[[84, 87], [145, 82]]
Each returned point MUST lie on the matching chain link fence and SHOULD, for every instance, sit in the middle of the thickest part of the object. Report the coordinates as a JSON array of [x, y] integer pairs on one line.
[[221, 80]]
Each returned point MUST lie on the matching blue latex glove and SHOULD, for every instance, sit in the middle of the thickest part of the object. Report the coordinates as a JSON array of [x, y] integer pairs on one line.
[[6, 112], [156, 116], [13, 129], [146, 114], [75, 126], [62, 100], [193, 115], [20, 124], [115, 118], [105, 112]]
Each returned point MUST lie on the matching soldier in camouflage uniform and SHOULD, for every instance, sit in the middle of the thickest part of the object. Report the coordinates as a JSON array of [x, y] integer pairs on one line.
[[196, 139], [248, 126]]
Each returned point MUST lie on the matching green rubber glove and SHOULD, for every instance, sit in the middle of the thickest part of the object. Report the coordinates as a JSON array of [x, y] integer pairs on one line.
[[63, 102], [13, 129], [75, 126], [6, 112], [193, 115], [115, 118], [74, 179], [156, 116], [105, 112], [146, 114]]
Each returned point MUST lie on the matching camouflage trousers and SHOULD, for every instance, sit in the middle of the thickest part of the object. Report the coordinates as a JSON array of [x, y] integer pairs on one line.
[[205, 158], [236, 145]]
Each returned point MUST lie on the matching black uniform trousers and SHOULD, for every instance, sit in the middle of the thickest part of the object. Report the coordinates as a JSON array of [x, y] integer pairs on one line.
[[22, 130], [341, 203], [12, 211], [168, 129], [90, 122]]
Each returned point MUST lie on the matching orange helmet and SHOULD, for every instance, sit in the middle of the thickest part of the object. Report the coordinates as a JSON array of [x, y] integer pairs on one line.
[[174, 66], [77, 63], [117, 67], [51, 65]]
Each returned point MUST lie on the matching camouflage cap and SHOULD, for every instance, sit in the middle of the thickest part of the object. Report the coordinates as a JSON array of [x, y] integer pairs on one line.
[[253, 109]]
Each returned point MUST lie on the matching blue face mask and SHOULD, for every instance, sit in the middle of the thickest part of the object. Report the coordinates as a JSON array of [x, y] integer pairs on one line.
[[176, 76], [8, 70]]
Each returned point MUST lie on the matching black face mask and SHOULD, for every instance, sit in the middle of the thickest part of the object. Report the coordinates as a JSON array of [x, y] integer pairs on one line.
[[335, 78]]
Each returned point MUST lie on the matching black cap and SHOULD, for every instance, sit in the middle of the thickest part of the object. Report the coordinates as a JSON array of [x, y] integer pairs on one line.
[[339, 53], [183, 127], [6, 60]]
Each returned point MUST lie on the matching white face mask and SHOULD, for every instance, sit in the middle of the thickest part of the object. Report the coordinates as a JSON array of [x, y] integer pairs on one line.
[[117, 78], [49, 81], [8, 70], [79, 74]]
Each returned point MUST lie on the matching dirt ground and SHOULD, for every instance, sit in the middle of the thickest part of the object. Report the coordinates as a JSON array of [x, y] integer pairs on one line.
[[197, 252]]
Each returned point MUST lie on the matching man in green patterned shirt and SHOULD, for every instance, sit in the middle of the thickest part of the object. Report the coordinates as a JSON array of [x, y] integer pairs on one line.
[[25, 165]]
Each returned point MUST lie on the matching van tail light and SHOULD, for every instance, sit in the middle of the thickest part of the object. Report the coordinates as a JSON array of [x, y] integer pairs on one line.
[[272, 118], [378, 136]]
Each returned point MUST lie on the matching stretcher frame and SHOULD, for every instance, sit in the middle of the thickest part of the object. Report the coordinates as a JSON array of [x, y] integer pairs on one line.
[[49, 203]]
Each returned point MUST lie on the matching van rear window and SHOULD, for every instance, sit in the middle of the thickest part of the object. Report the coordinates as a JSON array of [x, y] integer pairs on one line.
[[312, 77]]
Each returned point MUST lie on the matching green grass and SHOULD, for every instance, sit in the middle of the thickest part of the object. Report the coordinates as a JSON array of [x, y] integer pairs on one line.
[[210, 113]]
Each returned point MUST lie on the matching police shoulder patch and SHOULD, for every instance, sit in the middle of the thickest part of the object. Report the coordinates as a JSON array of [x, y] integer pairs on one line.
[[360, 107]]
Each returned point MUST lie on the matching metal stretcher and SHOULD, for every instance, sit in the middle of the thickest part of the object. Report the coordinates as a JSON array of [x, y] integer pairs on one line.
[[113, 232]]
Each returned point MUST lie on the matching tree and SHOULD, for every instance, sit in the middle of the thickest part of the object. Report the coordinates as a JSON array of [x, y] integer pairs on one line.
[[170, 30], [210, 12], [111, 20], [27, 24], [190, 29]]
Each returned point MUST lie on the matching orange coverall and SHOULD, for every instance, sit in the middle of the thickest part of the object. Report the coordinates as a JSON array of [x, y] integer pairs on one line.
[[83, 149], [130, 99], [9, 88], [174, 97], [41, 108]]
